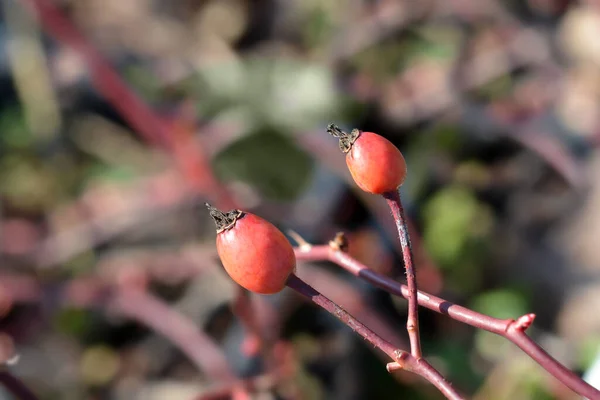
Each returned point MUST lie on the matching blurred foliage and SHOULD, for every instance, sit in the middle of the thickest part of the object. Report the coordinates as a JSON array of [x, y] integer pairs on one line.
[[475, 94], [15, 134], [268, 161], [502, 304], [290, 95], [72, 321], [456, 228]]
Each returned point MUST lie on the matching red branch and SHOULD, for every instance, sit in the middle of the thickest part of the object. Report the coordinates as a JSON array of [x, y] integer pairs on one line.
[[243, 308], [401, 359], [177, 137], [152, 312], [133, 303], [513, 330], [412, 325], [254, 384]]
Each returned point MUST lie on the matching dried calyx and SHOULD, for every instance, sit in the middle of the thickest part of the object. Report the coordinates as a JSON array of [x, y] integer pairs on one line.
[[346, 139], [223, 220]]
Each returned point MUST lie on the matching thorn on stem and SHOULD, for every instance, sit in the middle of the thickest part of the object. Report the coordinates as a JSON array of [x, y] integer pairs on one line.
[[393, 366]]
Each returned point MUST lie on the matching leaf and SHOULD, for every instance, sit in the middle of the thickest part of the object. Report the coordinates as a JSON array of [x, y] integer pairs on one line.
[[502, 304], [268, 161], [453, 218], [111, 173], [72, 321], [15, 134]]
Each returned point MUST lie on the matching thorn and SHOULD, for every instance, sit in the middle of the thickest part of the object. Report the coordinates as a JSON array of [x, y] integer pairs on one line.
[[302, 243], [393, 366]]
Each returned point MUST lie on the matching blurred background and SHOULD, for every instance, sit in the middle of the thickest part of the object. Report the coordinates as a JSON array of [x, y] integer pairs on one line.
[[120, 118]]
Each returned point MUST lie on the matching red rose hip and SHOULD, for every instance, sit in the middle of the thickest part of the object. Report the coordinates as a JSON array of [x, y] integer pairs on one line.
[[376, 165], [253, 251]]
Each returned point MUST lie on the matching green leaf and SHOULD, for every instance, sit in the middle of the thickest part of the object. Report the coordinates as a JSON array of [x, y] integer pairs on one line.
[[15, 134], [459, 369], [72, 321], [28, 184], [503, 303], [453, 218], [111, 173], [145, 83], [268, 161], [587, 351], [318, 27]]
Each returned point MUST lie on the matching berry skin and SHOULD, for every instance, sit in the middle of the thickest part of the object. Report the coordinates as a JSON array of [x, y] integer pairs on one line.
[[376, 165], [253, 251]]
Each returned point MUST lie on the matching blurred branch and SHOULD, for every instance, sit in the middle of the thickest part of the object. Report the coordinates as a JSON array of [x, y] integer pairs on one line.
[[16, 387], [513, 330], [257, 383], [176, 136], [127, 295], [386, 19], [139, 203], [159, 316], [553, 152], [7, 357], [243, 308]]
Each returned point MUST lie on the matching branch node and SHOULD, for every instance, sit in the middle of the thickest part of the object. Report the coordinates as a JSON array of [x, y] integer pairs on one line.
[[339, 242], [303, 245], [401, 356]]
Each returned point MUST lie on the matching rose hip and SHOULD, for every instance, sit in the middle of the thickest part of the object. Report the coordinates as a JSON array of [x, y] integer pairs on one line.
[[376, 165], [253, 251]]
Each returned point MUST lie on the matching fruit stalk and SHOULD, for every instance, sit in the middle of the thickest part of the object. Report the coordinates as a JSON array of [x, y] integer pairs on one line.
[[511, 329], [412, 324], [401, 359]]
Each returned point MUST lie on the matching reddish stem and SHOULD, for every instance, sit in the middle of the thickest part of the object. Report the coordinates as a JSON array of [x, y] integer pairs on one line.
[[400, 358], [153, 128], [507, 328], [412, 325], [243, 308], [152, 312], [256, 383]]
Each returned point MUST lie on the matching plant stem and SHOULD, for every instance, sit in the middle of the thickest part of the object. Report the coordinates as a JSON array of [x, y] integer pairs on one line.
[[401, 359], [513, 330], [412, 325]]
